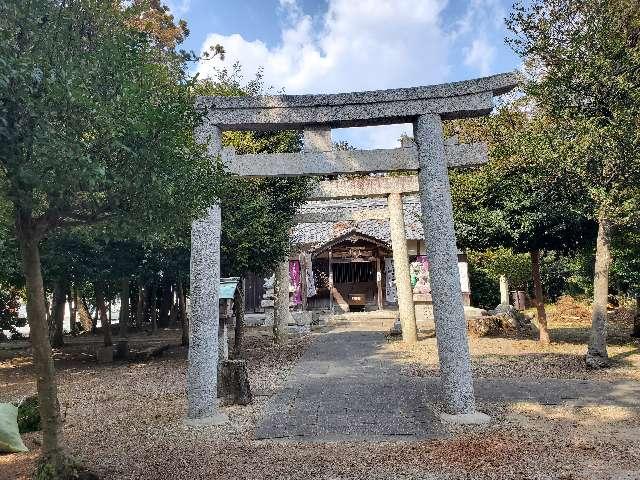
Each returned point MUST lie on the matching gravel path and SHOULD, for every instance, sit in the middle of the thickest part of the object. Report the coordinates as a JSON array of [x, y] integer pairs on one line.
[[344, 388]]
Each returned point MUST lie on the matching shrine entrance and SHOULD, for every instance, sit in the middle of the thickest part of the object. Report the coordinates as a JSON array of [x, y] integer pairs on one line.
[[354, 263]]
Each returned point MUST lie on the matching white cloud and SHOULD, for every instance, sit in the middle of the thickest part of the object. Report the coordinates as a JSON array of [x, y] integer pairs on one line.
[[362, 45], [359, 45], [480, 56], [178, 7]]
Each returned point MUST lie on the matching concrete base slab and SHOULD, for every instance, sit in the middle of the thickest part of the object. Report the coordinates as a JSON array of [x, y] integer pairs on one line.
[[475, 418], [217, 419]]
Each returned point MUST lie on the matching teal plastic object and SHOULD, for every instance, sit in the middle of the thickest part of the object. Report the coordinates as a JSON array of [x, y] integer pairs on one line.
[[10, 441], [228, 287]]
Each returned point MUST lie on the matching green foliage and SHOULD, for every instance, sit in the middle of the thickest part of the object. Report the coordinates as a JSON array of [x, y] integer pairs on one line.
[[92, 126], [29, 415], [503, 261], [523, 198], [9, 305], [567, 273], [584, 58], [485, 289], [485, 269], [626, 264]]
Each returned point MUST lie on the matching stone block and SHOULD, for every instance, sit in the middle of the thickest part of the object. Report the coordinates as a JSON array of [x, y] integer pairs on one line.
[[468, 98], [302, 318], [298, 329], [317, 139], [233, 383], [122, 349], [424, 311], [475, 418], [396, 329], [345, 161], [104, 354]]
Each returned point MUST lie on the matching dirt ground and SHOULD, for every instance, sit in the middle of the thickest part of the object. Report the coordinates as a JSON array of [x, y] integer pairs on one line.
[[523, 356], [125, 420]]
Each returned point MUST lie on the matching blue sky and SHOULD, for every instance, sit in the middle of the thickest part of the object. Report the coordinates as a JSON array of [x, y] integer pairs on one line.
[[327, 46]]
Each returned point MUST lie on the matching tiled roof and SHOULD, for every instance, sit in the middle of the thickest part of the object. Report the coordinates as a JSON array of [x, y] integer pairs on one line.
[[312, 235]]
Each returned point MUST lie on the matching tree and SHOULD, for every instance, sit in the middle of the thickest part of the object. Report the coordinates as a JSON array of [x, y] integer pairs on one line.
[[94, 126], [523, 199], [584, 57], [626, 267]]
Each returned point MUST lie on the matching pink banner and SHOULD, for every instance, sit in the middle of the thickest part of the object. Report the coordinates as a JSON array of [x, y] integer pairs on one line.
[[294, 277]]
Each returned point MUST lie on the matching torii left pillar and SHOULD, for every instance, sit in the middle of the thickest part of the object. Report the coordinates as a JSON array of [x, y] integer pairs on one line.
[[202, 369]]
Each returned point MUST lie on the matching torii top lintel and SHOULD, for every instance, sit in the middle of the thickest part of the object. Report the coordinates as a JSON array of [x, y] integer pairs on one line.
[[469, 98]]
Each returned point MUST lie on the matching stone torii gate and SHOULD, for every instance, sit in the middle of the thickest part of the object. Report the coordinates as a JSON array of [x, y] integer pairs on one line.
[[425, 107]]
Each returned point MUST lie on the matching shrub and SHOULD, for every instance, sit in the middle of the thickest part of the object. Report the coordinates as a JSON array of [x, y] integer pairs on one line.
[[29, 415]]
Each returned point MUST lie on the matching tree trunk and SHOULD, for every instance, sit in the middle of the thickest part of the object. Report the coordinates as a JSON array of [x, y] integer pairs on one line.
[[154, 309], [184, 319], [281, 302], [539, 300], [173, 310], [104, 318], [140, 305], [123, 319], [85, 316], [636, 319], [72, 299], [59, 300], [597, 356], [238, 312], [165, 305], [43, 362]]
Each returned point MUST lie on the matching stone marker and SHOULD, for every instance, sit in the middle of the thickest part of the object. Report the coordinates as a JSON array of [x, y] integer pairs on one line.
[[104, 354], [504, 290]]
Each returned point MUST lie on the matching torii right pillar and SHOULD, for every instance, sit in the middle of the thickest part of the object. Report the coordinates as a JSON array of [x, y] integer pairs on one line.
[[442, 253]]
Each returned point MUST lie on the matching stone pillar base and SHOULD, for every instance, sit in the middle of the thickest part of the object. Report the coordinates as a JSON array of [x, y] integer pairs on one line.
[[475, 418], [217, 419], [122, 349], [104, 354]]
